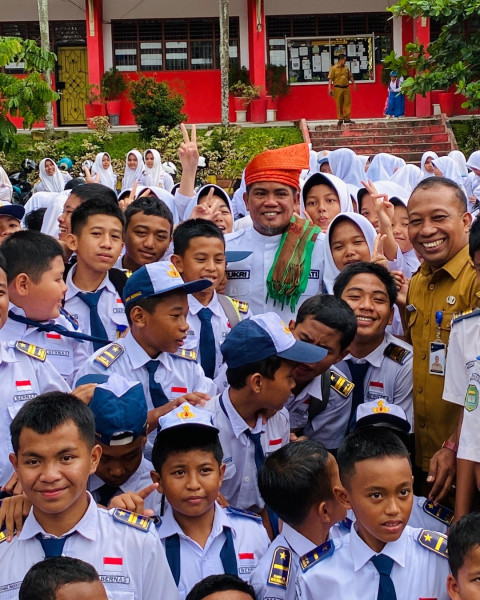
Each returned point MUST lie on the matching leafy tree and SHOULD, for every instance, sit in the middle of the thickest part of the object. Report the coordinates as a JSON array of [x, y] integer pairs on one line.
[[24, 96], [452, 59]]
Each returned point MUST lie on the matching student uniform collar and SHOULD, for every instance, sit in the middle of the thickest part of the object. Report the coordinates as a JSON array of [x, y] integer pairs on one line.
[[265, 239], [297, 542], [137, 355], [214, 305], [94, 481], [73, 290], [453, 267], [87, 526], [361, 553], [236, 421], [170, 526], [19, 311], [375, 357]]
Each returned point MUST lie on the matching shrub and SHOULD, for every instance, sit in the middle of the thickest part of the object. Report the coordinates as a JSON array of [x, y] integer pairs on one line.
[[155, 105]]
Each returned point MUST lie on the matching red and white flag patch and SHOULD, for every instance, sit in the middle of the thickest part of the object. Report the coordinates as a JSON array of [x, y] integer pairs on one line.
[[54, 336], [275, 442], [113, 564], [24, 385], [246, 556], [179, 390]]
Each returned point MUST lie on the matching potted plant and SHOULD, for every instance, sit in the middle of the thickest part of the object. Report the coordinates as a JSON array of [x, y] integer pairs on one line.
[[277, 86], [243, 94], [112, 86]]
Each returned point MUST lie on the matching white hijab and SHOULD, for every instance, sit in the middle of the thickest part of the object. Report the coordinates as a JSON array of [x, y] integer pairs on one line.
[[6, 189], [162, 195], [338, 185], [131, 176], [153, 175], [474, 160], [449, 169], [383, 166], [51, 183], [107, 176], [408, 177], [346, 165], [460, 161], [330, 268], [429, 154]]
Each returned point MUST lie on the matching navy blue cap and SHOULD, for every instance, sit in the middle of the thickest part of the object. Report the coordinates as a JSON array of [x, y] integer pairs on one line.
[[232, 256], [12, 210]]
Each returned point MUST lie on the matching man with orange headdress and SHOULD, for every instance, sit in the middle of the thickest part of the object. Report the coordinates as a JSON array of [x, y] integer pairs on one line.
[[286, 264]]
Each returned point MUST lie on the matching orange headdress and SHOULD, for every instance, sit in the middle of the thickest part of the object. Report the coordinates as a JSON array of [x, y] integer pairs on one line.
[[282, 165]]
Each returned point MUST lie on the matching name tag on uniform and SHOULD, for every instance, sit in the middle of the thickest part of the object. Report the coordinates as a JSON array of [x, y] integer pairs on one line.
[[314, 274], [238, 274]]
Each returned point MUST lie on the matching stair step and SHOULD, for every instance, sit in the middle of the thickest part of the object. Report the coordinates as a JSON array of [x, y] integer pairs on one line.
[[394, 148], [373, 138], [388, 123], [354, 132]]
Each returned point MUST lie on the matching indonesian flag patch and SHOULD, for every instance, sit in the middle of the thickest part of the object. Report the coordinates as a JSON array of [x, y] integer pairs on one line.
[[54, 336], [24, 385], [113, 564]]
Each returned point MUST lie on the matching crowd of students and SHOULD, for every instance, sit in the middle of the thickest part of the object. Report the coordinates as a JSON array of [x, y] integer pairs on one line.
[[248, 397]]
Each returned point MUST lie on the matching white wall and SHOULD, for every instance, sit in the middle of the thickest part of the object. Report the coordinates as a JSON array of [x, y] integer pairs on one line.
[[58, 10], [316, 7]]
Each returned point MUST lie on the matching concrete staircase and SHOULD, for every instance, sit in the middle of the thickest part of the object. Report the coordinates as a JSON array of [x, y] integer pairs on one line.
[[405, 137]]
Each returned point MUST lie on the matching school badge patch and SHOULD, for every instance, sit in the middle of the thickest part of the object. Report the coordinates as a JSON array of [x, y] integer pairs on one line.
[[31, 350], [471, 398]]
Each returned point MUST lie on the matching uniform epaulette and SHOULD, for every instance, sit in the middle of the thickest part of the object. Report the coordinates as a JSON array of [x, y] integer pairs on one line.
[[433, 541], [241, 306], [3, 535], [128, 273], [187, 354], [240, 512], [109, 355], [280, 568], [132, 519], [69, 318], [396, 353], [307, 561], [465, 314], [439, 512], [31, 350], [346, 524], [341, 384]]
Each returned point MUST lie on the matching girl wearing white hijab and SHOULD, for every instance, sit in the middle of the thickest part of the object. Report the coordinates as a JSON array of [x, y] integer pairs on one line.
[[447, 167], [383, 166], [103, 167], [408, 177], [134, 170], [51, 178], [161, 194], [155, 174], [346, 165], [324, 196], [426, 163], [224, 215], [6, 189]]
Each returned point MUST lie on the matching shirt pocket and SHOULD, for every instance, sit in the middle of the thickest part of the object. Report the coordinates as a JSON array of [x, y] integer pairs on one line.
[[120, 595], [230, 468], [239, 281]]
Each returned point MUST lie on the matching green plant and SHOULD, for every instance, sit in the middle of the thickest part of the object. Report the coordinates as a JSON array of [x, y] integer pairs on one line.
[[244, 90], [276, 81], [112, 85], [155, 105], [236, 73]]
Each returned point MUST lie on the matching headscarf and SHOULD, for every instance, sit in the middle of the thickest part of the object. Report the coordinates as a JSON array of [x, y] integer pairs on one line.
[[330, 269], [153, 175], [460, 161], [426, 155], [107, 176], [199, 196], [474, 160], [338, 185], [449, 169], [130, 175], [6, 189], [408, 177], [383, 166], [282, 165], [163, 195], [54, 210], [51, 183], [346, 165], [392, 190]]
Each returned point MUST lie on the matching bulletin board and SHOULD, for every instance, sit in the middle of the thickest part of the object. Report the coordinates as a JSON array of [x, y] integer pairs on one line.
[[309, 59]]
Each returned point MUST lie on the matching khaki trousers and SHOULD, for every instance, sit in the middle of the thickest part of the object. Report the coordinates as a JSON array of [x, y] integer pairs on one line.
[[343, 100]]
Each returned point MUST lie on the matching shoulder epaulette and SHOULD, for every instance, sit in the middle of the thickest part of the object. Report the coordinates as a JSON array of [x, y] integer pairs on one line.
[[69, 318], [3, 535], [346, 524], [31, 350], [396, 353], [128, 273], [242, 306], [341, 384], [465, 314], [187, 354], [439, 512], [109, 355], [132, 519], [240, 512], [307, 561], [433, 541], [280, 568]]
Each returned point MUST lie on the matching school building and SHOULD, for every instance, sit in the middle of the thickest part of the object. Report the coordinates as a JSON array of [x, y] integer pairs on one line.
[[178, 42]]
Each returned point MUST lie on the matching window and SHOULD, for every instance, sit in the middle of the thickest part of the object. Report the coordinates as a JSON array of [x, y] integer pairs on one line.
[[171, 44]]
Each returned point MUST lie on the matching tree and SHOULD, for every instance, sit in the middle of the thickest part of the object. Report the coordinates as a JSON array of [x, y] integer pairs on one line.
[[224, 6], [452, 59], [45, 44], [24, 96]]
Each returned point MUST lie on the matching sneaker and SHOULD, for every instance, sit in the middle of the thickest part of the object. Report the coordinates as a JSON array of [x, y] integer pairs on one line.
[[388, 116], [349, 121], [339, 122]]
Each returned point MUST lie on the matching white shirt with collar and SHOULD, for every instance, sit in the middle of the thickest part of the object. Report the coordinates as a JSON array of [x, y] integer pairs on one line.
[[131, 562], [349, 573], [110, 308], [385, 379], [66, 354], [23, 377], [247, 278], [177, 376], [136, 482], [240, 485], [250, 540]]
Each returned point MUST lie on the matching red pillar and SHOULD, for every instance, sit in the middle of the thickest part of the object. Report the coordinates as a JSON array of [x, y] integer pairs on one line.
[[94, 40], [256, 42], [421, 34]]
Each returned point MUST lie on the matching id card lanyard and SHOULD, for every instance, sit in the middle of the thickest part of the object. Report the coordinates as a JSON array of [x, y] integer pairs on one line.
[[437, 349]]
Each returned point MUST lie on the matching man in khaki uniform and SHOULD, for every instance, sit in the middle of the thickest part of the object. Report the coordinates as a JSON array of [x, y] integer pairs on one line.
[[340, 77]]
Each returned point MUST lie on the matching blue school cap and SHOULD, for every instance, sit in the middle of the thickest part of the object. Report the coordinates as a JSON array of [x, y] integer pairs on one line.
[[381, 413], [12, 210], [187, 415]]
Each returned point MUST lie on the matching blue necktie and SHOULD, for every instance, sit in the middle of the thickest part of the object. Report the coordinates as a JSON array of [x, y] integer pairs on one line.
[[96, 326], [52, 546], [106, 492], [156, 391], [207, 342], [259, 454], [386, 589], [358, 372]]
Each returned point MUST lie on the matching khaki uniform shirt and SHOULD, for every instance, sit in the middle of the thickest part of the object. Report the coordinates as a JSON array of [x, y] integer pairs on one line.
[[450, 289], [339, 75]]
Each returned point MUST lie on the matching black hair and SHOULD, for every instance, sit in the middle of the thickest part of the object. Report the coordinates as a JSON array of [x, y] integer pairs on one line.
[[295, 478], [464, 536], [237, 376], [340, 56], [397, 202], [48, 411], [219, 583], [151, 206], [332, 312], [29, 252], [366, 443], [34, 219], [430, 182], [93, 207], [46, 577], [473, 239], [94, 191], [358, 268], [74, 183], [3, 263], [185, 439], [314, 180], [193, 228]]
